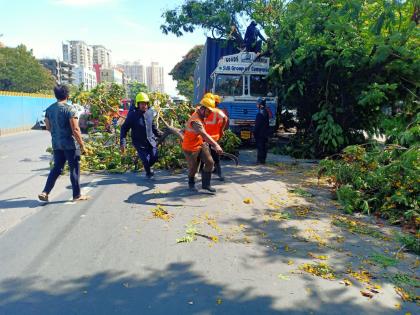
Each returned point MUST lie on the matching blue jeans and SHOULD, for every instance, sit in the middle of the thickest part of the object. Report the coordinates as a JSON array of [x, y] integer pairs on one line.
[[60, 158], [148, 156]]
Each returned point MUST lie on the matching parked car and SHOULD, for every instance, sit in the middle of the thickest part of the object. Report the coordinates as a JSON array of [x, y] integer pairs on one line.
[[40, 122]]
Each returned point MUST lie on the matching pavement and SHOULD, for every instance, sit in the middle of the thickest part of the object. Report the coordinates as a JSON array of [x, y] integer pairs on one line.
[[256, 246]]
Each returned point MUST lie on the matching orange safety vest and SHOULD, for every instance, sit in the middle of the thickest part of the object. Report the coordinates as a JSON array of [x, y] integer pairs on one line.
[[213, 124], [192, 140]]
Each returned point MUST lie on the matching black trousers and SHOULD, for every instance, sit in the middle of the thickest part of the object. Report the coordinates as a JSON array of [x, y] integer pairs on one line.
[[215, 156], [60, 158], [261, 149]]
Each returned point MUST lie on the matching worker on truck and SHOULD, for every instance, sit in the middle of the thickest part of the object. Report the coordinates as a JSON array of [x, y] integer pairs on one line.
[[252, 34], [215, 125], [196, 145]]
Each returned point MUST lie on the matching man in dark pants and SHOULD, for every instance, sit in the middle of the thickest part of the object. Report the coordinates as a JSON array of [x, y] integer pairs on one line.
[[143, 133], [215, 125], [261, 130], [61, 120], [252, 34]]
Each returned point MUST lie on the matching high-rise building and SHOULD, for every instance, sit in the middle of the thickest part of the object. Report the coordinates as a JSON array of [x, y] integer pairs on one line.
[[102, 56], [85, 76], [135, 71], [78, 52], [154, 74], [62, 71]]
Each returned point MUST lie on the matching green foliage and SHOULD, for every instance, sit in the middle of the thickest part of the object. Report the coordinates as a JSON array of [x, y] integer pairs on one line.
[[217, 16], [381, 179], [357, 227], [300, 192], [340, 64], [406, 281], [183, 72], [171, 155], [190, 235], [230, 142], [134, 88], [410, 242], [382, 260], [21, 72], [103, 140]]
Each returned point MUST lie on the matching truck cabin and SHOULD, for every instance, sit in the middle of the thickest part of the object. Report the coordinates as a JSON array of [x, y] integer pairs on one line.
[[241, 85]]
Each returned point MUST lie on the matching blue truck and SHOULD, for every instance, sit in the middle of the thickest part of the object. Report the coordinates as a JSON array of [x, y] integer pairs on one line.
[[239, 78]]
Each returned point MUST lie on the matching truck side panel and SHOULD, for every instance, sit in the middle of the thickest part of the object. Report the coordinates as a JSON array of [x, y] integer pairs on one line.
[[213, 50]]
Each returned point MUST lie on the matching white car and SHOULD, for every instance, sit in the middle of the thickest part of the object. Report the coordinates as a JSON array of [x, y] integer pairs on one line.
[[40, 122]]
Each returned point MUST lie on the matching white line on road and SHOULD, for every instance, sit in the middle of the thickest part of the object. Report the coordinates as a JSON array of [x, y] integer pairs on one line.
[[84, 191]]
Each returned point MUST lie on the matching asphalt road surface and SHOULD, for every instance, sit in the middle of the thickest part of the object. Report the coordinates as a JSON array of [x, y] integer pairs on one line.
[[111, 255]]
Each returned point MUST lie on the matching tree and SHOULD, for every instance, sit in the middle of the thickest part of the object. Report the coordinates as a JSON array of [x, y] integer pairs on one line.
[[136, 87], [183, 72], [218, 17], [341, 64], [21, 72]]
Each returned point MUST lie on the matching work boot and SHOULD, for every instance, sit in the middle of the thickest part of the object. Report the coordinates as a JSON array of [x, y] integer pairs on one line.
[[218, 171], [205, 182], [191, 184]]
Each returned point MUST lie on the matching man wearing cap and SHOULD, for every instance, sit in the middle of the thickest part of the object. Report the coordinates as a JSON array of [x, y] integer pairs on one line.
[[143, 133], [215, 125], [196, 145], [261, 130]]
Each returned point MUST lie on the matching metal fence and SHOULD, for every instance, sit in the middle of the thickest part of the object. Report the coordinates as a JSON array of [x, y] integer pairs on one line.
[[20, 111]]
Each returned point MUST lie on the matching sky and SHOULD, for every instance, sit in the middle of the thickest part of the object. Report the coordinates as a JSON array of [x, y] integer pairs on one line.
[[129, 28]]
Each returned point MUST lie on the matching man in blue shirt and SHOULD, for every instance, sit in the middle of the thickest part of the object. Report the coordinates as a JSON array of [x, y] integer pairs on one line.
[[143, 133], [62, 121]]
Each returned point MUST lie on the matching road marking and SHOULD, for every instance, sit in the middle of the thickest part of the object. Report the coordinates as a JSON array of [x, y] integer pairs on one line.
[[84, 191], [4, 157]]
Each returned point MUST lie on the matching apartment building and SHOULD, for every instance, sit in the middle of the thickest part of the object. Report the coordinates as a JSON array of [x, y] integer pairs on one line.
[[155, 77], [62, 71], [79, 53], [112, 75], [85, 76], [102, 56], [135, 71]]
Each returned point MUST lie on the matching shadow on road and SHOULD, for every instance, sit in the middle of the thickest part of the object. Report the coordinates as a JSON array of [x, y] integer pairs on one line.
[[178, 289]]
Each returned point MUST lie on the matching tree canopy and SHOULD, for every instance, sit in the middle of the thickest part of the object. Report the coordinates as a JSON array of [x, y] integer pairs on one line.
[[136, 87], [216, 16], [21, 72], [342, 64], [183, 72]]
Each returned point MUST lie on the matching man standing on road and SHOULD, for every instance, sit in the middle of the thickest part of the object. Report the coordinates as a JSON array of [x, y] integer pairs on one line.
[[261, 130], [143, 133], [215, 125], [67, 143], [194, 147]]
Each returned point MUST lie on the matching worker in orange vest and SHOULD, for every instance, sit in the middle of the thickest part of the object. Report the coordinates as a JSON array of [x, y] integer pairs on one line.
[[215, 126], [196, 145]]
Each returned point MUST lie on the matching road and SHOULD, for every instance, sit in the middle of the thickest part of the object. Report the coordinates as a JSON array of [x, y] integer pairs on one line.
[[110, 255]]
